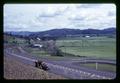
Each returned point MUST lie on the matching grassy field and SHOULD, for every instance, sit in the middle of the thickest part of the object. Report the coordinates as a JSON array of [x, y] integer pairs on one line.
[[11, 40], [41, 53], [101, 47], [102, 67], [36, 51]]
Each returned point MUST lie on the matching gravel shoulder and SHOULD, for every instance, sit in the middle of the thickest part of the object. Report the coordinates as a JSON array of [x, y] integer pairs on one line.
[[14, 69]]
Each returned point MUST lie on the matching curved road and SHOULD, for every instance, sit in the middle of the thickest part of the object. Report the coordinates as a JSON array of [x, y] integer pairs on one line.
[[66, 67]]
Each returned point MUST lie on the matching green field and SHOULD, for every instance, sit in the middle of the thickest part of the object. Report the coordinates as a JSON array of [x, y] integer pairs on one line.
[[102, 67], [41, 53], [36, 51], [15, 40], [101, 47], [97, 47]]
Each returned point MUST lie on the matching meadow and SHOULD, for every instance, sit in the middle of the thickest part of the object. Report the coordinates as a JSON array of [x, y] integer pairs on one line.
[[101, 67], [100, 47]]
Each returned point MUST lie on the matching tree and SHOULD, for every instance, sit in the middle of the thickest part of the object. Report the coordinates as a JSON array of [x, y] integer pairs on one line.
[[51, 48]]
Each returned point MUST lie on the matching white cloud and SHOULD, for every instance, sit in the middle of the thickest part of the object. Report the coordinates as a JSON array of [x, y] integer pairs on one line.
[[39, 17]]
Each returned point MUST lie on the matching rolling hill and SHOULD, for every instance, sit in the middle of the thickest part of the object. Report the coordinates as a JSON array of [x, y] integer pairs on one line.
[[65, 32]]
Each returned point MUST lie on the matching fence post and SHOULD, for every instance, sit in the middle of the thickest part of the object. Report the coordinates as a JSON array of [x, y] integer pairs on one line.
[[96, 66]]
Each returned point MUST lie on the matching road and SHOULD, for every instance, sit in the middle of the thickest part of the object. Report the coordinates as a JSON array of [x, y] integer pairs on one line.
[[66, 67]]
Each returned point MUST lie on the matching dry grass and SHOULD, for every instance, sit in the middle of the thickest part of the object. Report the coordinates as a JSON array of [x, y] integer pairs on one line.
[[14, 69]]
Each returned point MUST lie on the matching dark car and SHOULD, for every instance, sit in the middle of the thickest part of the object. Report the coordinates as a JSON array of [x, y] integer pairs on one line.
[[41, 65], [44, 66]]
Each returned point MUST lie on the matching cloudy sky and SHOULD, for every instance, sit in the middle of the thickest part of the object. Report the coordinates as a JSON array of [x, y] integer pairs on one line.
[[41, 17]]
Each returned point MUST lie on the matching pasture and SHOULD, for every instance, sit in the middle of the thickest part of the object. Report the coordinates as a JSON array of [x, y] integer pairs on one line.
[[101, 67], [97, 47], [100, 47]]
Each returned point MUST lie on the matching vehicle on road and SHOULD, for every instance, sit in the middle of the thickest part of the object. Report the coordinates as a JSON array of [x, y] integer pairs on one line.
[[41, 65]]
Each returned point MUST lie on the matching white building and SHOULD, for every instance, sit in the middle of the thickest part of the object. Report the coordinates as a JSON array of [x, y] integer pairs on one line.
[[38, 39], [87, 36], [38, 45]]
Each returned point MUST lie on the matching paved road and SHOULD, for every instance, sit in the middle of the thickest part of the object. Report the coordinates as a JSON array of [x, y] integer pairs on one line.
[[67, 68]]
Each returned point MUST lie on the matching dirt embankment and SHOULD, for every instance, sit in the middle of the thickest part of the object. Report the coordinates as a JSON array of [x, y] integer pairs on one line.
[[14, 69]]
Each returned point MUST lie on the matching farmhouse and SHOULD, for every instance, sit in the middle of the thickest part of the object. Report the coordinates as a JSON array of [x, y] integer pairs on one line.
[[47, 44], [38, 45], [87, 36], [38, 38]]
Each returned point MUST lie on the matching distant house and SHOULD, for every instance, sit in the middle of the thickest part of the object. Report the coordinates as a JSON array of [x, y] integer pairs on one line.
[[38, 39], [36, 42], [87, 36], [38, 45]]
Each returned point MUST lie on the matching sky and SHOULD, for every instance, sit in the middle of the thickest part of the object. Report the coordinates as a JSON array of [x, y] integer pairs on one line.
[[41, 17]]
